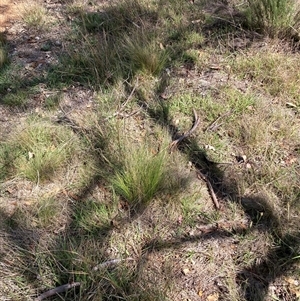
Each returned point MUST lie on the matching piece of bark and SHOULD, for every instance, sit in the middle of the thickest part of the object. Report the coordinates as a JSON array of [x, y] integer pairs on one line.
[[210, 188], [188, 133]]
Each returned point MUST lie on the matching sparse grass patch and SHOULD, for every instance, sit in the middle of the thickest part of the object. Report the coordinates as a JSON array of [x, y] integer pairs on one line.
[[47, 212], [18, 99], [269, 161], [93, 61], [191, 209], [125, 16], [276, 72], [52, 101], [6, 157], [40, 150], [94, 217]]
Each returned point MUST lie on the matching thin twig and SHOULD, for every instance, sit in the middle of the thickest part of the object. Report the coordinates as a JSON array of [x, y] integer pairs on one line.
[[214, 124], [188, 133], [210, 188], [122, 107], [57, 290]]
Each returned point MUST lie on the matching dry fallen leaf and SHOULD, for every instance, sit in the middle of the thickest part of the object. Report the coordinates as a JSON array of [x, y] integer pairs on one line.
[[213, 297], [185, 271]]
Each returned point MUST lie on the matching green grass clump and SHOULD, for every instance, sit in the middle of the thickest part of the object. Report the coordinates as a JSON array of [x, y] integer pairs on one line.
[[272, 17], [142, 174], [143, 55]]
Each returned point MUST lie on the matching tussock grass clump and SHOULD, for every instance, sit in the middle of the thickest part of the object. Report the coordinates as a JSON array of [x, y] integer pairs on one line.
[[143, 55], [34, 15], [39, 150], [273, 17], [123, 16], [142, 175]]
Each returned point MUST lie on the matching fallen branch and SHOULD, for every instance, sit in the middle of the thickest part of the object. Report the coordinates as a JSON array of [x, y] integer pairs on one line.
[[188, 133], [110, 263], [57, 290], [210, 188]]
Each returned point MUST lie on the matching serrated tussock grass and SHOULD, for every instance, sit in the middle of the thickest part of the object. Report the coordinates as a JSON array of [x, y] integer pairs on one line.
[[34, 15], [142, 174], [273, 17]]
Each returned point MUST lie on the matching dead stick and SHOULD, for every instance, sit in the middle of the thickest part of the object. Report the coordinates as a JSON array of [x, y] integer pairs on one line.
[[110, 263], [188, 133], [214, 124], [210, 188], [122, 107], [57, 290]]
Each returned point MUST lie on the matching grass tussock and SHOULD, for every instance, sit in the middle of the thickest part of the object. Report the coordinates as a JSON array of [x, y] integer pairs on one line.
[[142, 175], [273, 17], [143, 55], [34, 15]]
